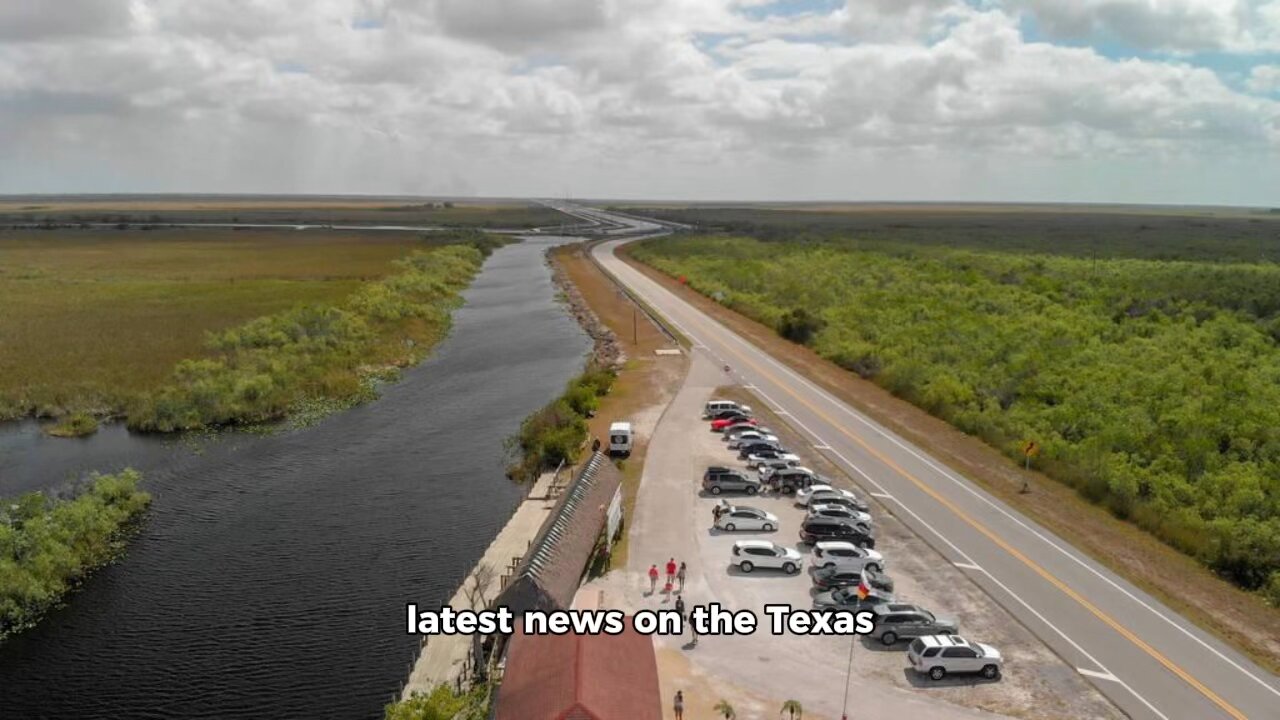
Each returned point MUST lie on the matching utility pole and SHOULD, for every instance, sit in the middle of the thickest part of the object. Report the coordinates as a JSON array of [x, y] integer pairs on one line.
[[847, 676]]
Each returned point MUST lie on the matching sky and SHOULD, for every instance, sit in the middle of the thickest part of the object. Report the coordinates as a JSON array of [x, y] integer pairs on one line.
[[1159, 101]]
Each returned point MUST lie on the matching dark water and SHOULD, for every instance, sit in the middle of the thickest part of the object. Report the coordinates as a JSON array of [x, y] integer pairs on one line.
[[271, 576]]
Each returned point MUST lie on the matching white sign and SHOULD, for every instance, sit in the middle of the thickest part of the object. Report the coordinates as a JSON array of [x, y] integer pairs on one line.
[[613, 518]]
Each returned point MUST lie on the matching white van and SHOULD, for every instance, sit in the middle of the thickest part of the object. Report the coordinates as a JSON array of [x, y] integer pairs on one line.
[[620, 438], [716, 407]]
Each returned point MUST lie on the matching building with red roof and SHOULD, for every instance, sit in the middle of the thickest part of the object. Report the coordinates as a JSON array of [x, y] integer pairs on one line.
[[580, 677]]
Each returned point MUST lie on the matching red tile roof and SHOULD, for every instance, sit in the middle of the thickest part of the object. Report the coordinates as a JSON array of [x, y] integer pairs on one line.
[[580, 677]]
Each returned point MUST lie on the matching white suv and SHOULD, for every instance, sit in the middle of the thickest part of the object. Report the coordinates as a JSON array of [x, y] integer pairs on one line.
[[751, 554], [938, 655], [846, 556]]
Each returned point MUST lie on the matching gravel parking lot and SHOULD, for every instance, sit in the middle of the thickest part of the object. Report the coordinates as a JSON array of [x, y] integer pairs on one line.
[[673, 518]]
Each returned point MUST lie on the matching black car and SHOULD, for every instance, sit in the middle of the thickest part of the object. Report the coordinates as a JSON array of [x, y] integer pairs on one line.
[[827, 578], [758, 446], [718, 480], [821, 528], [731, 413], [851, 503]]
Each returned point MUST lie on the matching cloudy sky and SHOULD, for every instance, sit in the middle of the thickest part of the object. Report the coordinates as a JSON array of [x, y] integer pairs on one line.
[[1174, 101]]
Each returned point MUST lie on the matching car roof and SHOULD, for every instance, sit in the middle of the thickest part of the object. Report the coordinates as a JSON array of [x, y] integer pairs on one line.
[[896, 608], [944, 641], [755, 544], [836, 545]]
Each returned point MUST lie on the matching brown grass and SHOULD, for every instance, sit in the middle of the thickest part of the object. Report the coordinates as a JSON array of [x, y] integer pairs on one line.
[[1242, 619]]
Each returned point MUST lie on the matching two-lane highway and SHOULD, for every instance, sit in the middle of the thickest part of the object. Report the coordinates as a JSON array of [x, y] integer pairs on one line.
[[1145, 657]]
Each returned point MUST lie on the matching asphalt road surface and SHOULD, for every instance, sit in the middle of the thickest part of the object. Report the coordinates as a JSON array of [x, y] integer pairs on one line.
[[1143, 656]]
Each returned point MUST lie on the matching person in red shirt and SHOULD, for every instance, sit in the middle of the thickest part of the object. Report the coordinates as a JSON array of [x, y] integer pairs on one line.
[[671, 572], [653, 579]]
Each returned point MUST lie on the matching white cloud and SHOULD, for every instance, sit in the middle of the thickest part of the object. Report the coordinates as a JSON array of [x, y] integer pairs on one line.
[[1264, 79], [669, 96], [1168, 25]]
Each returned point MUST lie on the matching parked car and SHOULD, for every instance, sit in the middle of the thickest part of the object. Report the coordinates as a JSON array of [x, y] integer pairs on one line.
[[733, 435], [851, 598], [852, 503], [840, 512], [714, 407], [751, 554], [756, 446], [816, 529], [790, 480], [765, 467], [940, 655], [894, 622], [733, 415], [830, 578], [821, 493], [748, 424], [719, 424], [746, 518], [726, 425], [755, 459], [718, 480], [751, 436], [845, 555]]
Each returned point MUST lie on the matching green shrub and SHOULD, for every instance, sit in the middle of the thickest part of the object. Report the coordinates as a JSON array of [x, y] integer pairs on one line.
[[557, 432], [77, 424], [47, 544], [271, 366], [441, 704]]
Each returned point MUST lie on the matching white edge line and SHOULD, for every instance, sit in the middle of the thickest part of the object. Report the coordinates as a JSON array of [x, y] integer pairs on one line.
[[1098, 675]]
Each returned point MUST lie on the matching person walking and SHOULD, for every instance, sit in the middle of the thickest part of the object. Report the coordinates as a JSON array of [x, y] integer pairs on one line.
[[679, 706], [681, 574], [680, 606], [671, 574], [653, 579]]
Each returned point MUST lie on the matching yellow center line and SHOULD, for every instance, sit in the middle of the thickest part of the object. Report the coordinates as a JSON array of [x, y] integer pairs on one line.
[[1039, 570]]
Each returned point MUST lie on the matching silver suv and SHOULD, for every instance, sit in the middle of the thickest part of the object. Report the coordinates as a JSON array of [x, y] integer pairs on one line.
[[896, 621], [939, 655]]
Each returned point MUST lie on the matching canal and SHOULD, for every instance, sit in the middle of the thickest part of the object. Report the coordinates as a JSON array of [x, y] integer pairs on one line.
[[270, 578]]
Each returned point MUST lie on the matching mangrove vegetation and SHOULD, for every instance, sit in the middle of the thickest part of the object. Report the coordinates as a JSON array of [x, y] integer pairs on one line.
[[558, 432], [48, 544]]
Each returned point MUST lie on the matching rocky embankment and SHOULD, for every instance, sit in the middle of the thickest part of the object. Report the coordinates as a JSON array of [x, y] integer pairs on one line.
[[606, 352]]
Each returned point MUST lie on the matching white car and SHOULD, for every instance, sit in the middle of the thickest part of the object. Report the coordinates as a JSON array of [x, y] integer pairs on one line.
[[751, 436], [818, 493], [766, 467], [940, 655], [785, 458], [751, 554], [747, 518], [840, 512], [845, 556]]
